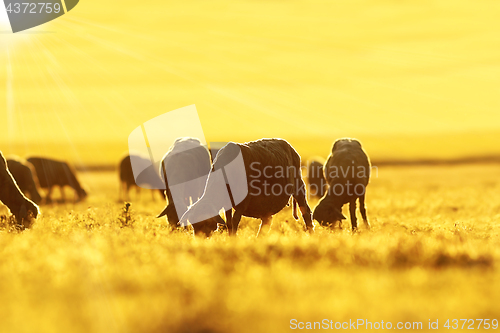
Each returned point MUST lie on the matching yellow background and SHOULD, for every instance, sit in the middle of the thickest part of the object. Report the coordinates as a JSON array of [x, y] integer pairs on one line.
[[411, 79]]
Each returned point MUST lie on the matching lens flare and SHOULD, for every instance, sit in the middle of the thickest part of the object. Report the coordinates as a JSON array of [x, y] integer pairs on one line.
[[4, 19]]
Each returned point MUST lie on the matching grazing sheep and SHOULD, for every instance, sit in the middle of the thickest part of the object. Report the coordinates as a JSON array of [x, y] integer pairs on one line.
[[317, 182], [148, 178], [56, 173], [21, 207], [347, 172], [184, 169], [257, 179], [25, 177]]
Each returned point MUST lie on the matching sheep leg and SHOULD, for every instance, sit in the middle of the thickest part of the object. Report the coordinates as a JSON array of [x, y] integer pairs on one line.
[[307, 216], [138, 192], [229, 221], [300, 196], [266, 221], [362, 208], [63, 197], [47, 197], [123, 191], [129, 188], [305, 210], [235, 221], [352, 210], [120, 191]]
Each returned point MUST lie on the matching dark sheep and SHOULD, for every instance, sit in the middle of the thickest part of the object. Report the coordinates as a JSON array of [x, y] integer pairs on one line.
[[347, 172], [184, 170], [23, 209], [56, 173], [147, 178], [25, 177], [257, 179], [316, 180]]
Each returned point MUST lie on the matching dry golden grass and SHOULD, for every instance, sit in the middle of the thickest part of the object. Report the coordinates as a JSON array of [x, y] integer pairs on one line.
[[433, 252]]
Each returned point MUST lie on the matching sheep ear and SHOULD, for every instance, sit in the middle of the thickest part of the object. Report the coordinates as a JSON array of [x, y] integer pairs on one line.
[[163, 213]]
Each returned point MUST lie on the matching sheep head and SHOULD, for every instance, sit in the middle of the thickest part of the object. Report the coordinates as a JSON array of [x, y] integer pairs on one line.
[[327, 212], [203, 216]]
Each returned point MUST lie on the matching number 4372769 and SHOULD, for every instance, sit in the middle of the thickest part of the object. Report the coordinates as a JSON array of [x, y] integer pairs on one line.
[[33, 8], [471, 324]]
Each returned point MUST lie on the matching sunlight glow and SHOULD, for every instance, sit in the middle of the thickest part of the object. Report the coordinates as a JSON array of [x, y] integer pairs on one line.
[[4, 19], [10, 100], [90, 77]]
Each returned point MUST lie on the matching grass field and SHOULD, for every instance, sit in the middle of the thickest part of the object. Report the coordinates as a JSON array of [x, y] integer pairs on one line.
[[433, 253]]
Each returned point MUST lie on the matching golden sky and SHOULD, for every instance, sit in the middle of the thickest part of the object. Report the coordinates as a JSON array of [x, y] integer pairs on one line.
[[411, 79]]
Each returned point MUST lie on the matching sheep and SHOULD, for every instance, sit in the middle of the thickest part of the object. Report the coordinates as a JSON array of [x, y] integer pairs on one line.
[[347, 172], [25, 177], [148, 177], [316, 180], [56, 173], [23, 209], [184, 170], [257, 179]]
